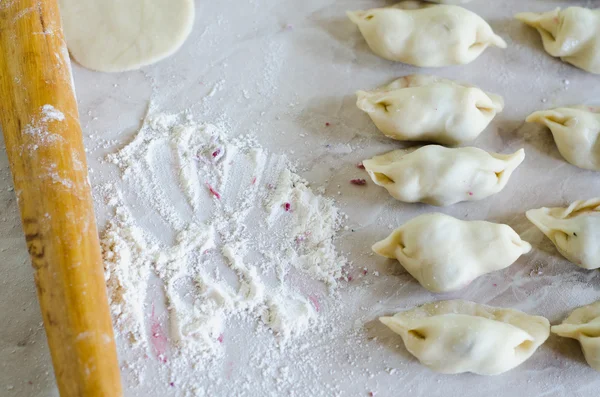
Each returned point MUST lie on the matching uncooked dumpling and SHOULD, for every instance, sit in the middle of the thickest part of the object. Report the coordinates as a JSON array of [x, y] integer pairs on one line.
[[584, 325], [459, 336], [576, 131], [441, 176], [430, 108], [120, 35], [572, 34], [575, 230], [445, 254], [429, 36]]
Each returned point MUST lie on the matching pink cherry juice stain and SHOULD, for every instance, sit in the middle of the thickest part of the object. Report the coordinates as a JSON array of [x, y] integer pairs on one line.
[[158, 337], [213, 191], [229, 370], [313, 299]]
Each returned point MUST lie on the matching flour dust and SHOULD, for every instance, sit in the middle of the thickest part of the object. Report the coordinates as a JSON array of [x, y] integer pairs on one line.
[[223, 228]]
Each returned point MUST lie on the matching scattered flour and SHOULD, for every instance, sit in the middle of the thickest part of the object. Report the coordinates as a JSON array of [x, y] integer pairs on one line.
[[245, 225], [315, 225], [38, 131], [38, 135], [50, 113], [283, 310]]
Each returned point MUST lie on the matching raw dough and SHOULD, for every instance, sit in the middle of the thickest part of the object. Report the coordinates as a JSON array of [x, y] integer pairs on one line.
[[430, 108], [572, 34], [575, 230], [429, 36], [441, 176], [445, 254], [584, 325], [120, 35], [458, 336], [576, 131]]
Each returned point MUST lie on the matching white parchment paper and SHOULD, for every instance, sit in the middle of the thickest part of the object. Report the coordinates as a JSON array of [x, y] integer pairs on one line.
[[281, 70]]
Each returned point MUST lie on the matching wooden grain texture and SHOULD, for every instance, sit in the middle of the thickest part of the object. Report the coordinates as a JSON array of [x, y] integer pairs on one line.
[[40, 122]]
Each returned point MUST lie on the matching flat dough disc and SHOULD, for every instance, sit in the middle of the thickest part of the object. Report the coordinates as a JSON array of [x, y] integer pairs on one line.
[[119, 35]]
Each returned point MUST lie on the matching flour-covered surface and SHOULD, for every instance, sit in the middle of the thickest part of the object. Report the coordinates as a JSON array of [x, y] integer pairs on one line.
[[197, 299]]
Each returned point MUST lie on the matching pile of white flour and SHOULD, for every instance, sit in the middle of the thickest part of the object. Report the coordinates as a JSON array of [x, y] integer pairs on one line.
[[237, 225]]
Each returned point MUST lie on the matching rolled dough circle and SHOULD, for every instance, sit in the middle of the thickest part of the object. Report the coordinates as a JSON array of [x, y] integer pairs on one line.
[[120, 35]]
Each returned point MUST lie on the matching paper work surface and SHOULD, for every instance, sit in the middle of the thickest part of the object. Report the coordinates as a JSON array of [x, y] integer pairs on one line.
[[245, 276]]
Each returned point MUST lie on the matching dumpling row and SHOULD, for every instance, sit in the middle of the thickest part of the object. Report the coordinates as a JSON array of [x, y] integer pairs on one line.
[[420, 107], [441, 252], [459, 336], [430, 108], [445, 254], [429, 35]]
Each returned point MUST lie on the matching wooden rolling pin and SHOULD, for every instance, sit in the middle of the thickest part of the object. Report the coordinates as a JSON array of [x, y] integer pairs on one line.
[[40, 121]]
